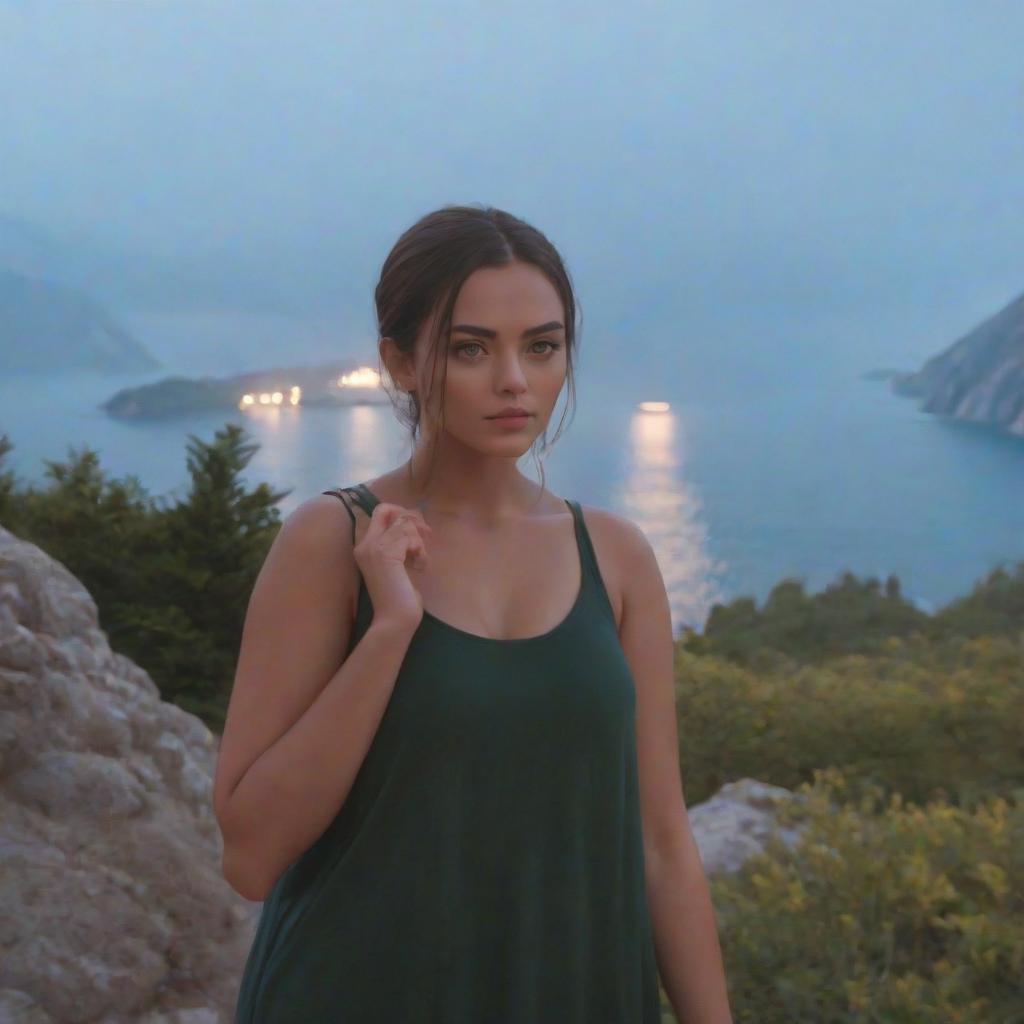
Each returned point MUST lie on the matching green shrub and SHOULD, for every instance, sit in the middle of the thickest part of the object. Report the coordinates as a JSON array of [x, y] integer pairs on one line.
[[171, 577], [919, 720], [883, 911], [851, 616]]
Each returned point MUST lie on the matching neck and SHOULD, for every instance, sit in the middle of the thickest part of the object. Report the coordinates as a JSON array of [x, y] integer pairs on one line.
[[482, 490]]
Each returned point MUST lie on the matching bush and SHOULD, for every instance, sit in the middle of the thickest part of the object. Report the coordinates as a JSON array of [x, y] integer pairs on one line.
[[919, 720], [883, 911], [851, 616]]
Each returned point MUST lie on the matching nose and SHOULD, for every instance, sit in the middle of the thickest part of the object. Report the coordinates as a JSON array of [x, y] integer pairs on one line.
[[511, 377]]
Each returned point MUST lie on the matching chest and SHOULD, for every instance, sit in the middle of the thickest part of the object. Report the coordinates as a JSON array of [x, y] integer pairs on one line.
[[515, 582]]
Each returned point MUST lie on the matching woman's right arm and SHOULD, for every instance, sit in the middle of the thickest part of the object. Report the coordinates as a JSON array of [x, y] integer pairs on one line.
[[301, 716]]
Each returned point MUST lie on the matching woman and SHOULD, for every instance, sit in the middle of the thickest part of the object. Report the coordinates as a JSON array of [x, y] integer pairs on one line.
[[450, 764]]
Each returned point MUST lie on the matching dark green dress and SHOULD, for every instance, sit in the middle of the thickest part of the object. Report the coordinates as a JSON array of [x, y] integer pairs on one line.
[[487, 866]]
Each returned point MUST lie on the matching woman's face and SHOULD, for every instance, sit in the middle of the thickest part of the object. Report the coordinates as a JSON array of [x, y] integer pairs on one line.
[[487, 373]]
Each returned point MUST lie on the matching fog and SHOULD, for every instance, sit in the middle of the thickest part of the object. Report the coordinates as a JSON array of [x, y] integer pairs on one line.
[[696, 164]]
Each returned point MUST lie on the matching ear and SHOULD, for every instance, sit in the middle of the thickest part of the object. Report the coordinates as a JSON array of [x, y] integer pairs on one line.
[[398, 366]]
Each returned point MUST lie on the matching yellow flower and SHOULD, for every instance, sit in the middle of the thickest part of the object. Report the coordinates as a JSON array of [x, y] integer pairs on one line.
[[994, 877]]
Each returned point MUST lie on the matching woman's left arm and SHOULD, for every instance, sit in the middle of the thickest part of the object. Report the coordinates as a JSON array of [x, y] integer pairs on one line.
[[682, 916]]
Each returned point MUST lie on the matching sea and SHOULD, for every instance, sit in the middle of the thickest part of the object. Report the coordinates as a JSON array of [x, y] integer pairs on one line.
[[768, 456]]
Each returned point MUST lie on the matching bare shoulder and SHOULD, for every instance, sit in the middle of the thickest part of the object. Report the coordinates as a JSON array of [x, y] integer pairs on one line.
[[310, 559], [320, 525], [314, 548], [618, 542], [621, 533], [314, 509], [295, 635], [317, 535]]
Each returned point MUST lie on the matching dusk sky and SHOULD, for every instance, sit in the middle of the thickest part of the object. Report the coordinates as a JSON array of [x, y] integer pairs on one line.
[[690, 160]]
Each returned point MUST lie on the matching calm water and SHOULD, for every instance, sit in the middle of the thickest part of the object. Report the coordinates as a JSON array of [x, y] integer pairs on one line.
[[774, 461]]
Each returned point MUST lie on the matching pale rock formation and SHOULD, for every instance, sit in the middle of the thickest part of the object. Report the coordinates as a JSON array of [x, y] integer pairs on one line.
[[737, 821], [114, 906]]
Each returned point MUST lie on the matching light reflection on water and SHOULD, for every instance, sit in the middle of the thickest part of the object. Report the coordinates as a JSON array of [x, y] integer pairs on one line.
[[658, 497]]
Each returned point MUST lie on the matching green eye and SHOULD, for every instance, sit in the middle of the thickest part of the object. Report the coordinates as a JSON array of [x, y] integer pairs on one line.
[[554, 346]]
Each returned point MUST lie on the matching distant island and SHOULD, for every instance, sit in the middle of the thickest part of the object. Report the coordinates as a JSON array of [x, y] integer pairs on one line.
[[45, 326], [979, 378], [330, 384]]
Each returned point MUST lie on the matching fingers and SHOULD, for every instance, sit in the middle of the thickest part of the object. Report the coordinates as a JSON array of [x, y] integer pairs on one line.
[[402, 514], [409, 517], [415, 516]]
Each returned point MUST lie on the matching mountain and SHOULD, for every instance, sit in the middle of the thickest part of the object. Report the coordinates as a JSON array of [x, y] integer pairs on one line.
[[46, 326], [29, 249], [980, 377]]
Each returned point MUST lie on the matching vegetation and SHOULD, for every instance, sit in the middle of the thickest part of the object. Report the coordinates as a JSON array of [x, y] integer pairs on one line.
[[884, 911], [852, 616], [171, 578], [898, 732], [920, 719]]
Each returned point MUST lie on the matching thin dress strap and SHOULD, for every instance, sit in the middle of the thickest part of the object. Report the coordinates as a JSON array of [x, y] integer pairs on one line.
[[355, 495], [366, 498], [588, 556]]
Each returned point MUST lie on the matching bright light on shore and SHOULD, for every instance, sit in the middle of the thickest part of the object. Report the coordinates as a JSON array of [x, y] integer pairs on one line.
[[363, 377], [271, 398], [653, 407]]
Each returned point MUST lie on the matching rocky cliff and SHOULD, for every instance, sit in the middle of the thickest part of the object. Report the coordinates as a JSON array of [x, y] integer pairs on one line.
[[980, 377], [115, 909]]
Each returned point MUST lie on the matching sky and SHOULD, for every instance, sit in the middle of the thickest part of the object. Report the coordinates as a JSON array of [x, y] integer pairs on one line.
[[691, 161]]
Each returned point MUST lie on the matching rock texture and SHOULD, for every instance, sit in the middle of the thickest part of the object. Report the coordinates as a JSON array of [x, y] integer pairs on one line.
[[980, 377], [736, 823], [114, 907]]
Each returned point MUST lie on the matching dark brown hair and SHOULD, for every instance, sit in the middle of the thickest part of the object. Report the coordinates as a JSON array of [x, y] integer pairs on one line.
[[424, 272]]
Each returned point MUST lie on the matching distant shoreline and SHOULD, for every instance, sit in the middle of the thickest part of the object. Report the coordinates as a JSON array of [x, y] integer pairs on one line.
[[326, 384]]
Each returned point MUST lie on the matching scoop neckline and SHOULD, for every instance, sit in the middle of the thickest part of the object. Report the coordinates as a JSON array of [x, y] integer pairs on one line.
[[508, 641]]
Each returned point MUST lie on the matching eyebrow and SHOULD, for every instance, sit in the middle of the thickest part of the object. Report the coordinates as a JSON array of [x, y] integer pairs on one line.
[[486, 332]]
